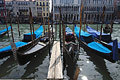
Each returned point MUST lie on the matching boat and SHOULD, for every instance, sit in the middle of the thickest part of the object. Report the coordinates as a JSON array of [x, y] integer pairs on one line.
[[71, 54], [6, 51], [106, 30], [88, 43], [27, 52], [106, 38], [116, 22], [4, 31], [71, 46], [37, 34], [96, 34], [69, 35]]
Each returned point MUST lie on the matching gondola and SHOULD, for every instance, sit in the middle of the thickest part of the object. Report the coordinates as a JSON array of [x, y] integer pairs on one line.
[[106, 30], [37, 34], [88, 43], [69, 35], [6, 51], [24, 54], [4, 31], [96, 34], [106, 38], [71, 54], [71, 46]]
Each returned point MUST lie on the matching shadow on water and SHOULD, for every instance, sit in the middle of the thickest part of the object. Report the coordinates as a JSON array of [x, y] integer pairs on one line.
[[7, 66], [100, 65], [31, 67], [70, 64]]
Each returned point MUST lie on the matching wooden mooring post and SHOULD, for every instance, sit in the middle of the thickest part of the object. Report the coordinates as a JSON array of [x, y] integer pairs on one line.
[[18, 23], [11, 26], [6, 25], [103, 15], [55, 67], [60, 26], [56, 30], [30, 17], [80, 22]]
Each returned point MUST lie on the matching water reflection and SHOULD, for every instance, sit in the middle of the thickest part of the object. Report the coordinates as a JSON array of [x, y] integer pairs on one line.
[[7, 66], [100, 65], [31, 67], [70, 63]]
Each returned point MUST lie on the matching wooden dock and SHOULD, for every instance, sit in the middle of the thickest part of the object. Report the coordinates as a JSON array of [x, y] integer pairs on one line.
[[55, 67]]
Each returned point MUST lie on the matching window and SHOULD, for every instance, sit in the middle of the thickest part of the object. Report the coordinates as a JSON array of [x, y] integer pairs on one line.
[[47, 14], [43, 3], [46, 3], [47, 9], [43, 14], [40, 4], [118, 8], [37, 3], [55, 1], [43, 8]]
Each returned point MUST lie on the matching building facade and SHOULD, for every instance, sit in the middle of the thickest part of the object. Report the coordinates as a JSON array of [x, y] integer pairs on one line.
[[2, 11], [21, 7], [42, 8], [117, 9], [94, 8], [70, 10]]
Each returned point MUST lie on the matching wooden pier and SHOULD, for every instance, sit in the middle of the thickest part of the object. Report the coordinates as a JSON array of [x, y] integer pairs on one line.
[[55, 67]]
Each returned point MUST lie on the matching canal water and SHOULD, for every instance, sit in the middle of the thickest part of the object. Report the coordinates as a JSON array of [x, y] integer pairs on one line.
[[91, 67]]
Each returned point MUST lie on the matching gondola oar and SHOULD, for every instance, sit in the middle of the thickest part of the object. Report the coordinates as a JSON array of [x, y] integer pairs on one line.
[[18, 23], [103, 14]]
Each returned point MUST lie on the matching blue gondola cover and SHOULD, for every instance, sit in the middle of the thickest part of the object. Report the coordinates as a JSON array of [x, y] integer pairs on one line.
[[84, 36], [38, 33], [5, 30], [18, 44], [99, 47]]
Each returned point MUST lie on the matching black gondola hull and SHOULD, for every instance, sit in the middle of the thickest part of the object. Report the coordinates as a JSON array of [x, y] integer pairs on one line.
[[5, 54], [24, 58], [1, 35]]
